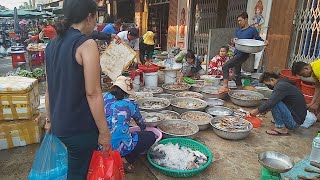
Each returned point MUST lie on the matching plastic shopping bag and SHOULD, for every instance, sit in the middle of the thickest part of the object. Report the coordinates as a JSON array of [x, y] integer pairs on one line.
[[51, 161], [309, 120], [106, 165]]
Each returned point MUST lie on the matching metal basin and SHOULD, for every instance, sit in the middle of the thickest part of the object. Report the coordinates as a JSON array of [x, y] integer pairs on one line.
[[170, 114], [141, 95], [212, 92], [167, 88], [244, 102], [154, 90], [165, 96], [194, 129], [180, 110], [249, 45], [189, 94], [219, 111], [196, 87], [146, 115], [202, 125], [265, 91], [166, 103], [275, 161], [230, 135], [215, 102]]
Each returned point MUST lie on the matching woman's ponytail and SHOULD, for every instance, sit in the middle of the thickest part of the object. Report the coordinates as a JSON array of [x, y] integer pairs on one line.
[[62, 27]]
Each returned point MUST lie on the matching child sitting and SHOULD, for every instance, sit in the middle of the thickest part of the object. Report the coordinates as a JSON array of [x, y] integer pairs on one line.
[[216, 63], [191, 67]]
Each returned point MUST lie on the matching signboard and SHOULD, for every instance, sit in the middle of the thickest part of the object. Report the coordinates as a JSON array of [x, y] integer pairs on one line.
[[259, 15], [182, 23]]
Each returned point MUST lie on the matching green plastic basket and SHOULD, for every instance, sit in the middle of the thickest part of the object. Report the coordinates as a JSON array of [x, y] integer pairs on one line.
[[194, 145]]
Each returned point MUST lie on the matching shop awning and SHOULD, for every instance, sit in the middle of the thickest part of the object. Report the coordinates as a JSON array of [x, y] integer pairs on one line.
[[22, 13]]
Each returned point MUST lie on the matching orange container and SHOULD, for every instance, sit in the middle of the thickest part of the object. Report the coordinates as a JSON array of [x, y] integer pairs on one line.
[[286, 73], [307, 89], [308, 98], [255, 121]]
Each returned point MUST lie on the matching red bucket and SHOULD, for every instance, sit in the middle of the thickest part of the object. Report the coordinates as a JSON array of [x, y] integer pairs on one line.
[[286, 73], [307, 89], [308, 98], [149, 69]]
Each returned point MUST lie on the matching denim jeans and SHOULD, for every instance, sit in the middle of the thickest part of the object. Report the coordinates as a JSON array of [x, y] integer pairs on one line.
[[283, 117]]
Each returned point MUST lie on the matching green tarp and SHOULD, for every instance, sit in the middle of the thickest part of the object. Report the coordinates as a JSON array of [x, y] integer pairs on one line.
[[22, 13]]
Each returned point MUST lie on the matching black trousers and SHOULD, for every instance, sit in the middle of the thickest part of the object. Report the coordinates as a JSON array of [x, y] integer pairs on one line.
[[145, 49], [145, 140], [235, 63], [80, 148]]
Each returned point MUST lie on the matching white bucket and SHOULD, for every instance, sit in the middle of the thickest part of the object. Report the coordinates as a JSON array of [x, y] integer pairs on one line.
[[151, 79], [136, 83], [170, 77]]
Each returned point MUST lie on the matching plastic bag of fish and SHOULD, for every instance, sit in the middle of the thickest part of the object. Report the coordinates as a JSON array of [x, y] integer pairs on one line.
[[174, 156]]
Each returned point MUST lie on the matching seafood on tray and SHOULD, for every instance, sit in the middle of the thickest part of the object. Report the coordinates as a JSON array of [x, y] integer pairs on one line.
[[189, 94], [198, 118], [177, 129], [188, 105], [174, 156], [152, 117], [170, 114], [153, 105], [176, 87], [152, 89], [244, 96], [232, 123]]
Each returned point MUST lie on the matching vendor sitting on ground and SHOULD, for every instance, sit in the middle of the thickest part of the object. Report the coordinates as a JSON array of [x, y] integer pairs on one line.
[[310, 70], [216, 63], [46, 31], [119, 111], [287, 104], [146, 47], [191, 67]]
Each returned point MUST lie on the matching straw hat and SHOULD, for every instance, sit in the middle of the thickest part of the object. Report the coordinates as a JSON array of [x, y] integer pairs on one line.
[[148, 38], [125, 83]]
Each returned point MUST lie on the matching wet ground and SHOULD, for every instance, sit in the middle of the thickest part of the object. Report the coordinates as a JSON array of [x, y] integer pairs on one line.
[[232, 159]]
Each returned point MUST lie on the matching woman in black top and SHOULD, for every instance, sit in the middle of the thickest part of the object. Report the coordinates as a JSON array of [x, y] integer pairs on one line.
[[74, 100]]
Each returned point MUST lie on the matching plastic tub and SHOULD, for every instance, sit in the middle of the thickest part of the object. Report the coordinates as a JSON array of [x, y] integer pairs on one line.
[[286, 73], [149, 69], [255, 121], [170, 76], [151, 79], [308, 98], [154, 130], [307, 89]]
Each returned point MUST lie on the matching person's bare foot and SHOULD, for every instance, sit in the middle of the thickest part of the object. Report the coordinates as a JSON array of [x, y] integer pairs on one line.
[[278, 132]]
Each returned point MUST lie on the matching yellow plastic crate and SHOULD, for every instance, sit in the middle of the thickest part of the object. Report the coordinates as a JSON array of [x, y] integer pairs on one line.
[[19, 98]]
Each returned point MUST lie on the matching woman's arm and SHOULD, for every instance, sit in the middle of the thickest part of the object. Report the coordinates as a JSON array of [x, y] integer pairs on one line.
[[87, 55]]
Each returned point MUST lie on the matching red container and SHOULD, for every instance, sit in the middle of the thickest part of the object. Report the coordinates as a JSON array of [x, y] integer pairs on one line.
[[149, 69], [255, 121], [286, 73], [307, 89], [308, 98], [37, 58], [17, 57]]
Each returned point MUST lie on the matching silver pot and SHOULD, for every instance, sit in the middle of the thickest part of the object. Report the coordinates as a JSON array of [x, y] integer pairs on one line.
[[215, 102], [246, 103], [171, 91], [212, 92], [201, 126], [153, 99], [189, 100], [192, 135], [219, 111], [236, 135]]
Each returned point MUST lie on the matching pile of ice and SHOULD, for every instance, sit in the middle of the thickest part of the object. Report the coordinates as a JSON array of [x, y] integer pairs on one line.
[[177, 157]]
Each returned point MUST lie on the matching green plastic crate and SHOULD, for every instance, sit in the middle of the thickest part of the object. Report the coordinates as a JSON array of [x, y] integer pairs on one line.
[[192, 144], [268, 175]]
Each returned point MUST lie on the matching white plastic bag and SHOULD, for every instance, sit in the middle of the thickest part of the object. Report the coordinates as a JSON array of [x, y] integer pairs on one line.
[[310, 120]]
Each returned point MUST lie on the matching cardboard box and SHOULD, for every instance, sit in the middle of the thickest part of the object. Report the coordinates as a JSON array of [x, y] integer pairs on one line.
[[19, 97], [20, 132]]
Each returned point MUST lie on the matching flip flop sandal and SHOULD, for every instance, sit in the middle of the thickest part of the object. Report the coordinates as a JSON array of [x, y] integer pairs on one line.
[[277, 133], [128, 168]]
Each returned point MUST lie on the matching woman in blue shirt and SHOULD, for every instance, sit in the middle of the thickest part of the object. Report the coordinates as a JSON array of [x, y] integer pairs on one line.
[[119, 111]]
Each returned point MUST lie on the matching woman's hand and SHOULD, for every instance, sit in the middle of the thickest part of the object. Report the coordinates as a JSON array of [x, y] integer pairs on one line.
[[117, 38], [104, 141]]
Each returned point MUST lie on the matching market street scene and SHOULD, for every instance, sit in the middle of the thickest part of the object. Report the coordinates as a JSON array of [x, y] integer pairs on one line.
[[159, 89]]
